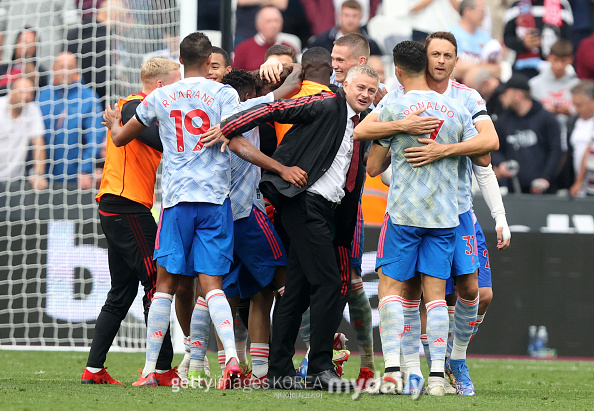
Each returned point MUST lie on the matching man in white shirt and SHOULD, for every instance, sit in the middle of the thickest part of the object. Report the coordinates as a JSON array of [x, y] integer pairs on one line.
[[22, 126]]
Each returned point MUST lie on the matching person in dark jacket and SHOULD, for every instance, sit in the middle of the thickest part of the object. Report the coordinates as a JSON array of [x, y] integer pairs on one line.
[[319, 217], [350, 20], [529, 135]]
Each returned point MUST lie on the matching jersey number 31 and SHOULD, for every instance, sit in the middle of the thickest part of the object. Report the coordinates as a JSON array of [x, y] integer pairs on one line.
[[186, 121]]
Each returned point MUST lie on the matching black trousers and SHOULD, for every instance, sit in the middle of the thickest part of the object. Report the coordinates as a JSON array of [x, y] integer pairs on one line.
[[314, 279], [130, 245]]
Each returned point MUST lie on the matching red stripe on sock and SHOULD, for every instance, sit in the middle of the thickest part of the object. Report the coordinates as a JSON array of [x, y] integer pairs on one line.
[[469, 302], [222, 294], [434, 304]]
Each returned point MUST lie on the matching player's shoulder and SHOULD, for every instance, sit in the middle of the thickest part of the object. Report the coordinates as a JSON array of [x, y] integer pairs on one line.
[[466, 94], [462, 89]]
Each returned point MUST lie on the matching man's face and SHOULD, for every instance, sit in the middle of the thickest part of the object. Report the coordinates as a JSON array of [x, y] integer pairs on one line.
[[441, 55], [350, 20], [22, 93], [25, 46], [282, 58], [343, 59], [559, 64], [217, 69], [507, 98], [477, 14], [65, 69], [584, 106], [360, 91], [269, 23]]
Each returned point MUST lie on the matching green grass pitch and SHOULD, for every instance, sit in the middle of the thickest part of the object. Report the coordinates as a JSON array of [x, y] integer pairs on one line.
[[40, 380]]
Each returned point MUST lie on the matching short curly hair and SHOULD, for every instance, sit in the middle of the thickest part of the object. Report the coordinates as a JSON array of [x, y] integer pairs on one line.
[[242, 81]]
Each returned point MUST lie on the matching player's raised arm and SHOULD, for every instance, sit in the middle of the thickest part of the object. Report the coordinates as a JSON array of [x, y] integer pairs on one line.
[[121, 135]]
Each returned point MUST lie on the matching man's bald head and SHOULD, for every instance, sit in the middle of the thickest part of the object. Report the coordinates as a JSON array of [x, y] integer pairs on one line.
[[317, 64], [22, 91], [65, 69]]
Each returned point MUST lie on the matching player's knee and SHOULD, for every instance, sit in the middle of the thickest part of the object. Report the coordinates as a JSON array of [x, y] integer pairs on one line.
[[485, 298]]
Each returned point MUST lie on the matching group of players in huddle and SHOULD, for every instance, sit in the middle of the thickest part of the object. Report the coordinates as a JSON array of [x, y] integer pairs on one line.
[[215, 237]]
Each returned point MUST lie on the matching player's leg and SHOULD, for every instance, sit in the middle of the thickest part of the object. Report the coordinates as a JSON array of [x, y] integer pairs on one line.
[[212, 249], [261, 251], [259, 330], [409, 344], [171, 252], [185, 302], [396, 260], [124, 287], [434, 264], [285, 324], [359, 307], [157, 324], [465, 269], [484, 277]]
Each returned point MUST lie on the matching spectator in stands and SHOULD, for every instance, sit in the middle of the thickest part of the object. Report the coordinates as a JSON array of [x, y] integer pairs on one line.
[[429, 16], [220, 64], [552, 87], [531, 28], [475, 46], [73, 131], [284, 54], [584, 59], [349, 21], [170, 50], [246, 14], [88, 42], [580, 130], [24, 62], [583, 12], [249, 54], [529, 135], [50, 19], [378, 65], [22, 128]]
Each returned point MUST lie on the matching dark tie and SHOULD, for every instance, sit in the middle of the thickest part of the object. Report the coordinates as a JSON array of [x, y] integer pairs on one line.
[[352, 173]]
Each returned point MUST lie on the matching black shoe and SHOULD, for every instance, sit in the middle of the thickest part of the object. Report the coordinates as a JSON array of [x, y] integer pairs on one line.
[[285, 383], [328, 381]]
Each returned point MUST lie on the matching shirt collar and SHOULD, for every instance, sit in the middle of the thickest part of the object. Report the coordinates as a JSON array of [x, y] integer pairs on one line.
[[350, 112]]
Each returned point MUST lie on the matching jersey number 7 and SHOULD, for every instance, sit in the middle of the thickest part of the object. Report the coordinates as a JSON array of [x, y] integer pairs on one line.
[[186, 121], [433, 135]]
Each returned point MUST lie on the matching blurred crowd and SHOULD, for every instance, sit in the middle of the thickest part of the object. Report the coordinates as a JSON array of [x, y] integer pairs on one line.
[[531, 60]]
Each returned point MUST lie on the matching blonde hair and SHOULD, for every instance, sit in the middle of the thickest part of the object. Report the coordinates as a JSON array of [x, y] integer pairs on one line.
[[157, 67]]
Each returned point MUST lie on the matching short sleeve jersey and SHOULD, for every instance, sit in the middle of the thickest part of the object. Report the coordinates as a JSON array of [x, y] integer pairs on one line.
[[245, 176], [184, 111], [426, 196]]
